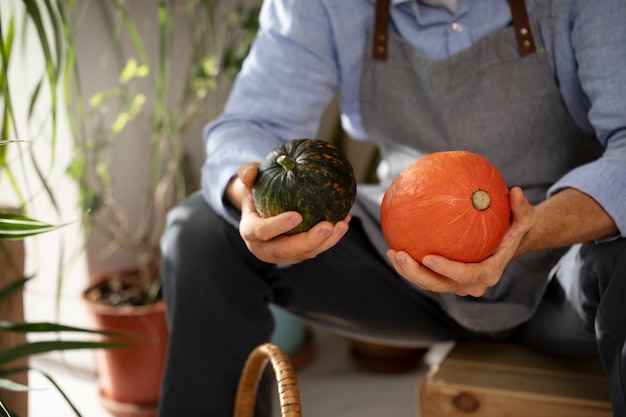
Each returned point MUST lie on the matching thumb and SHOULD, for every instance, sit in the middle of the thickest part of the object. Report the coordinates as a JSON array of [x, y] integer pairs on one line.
[[521, 209], [247, 173]]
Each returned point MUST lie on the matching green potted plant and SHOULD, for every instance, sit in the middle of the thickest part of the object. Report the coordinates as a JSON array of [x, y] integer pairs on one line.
[[42, 29], [161, 93], [16, 349]]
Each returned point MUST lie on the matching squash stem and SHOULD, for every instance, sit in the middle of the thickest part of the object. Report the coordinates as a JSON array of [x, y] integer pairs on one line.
[[286, 162], [481, 200]]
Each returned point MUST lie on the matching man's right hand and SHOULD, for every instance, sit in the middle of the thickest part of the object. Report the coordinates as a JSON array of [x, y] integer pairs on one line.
[[265, 237]]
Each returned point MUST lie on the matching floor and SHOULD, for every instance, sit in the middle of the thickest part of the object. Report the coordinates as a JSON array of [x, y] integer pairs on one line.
[[331, 385], [334, 386]]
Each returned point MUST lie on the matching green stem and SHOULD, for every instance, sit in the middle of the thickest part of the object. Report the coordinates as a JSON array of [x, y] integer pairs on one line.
[[286, 162]]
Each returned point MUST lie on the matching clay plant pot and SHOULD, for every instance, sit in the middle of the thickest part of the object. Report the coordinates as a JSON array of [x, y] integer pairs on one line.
[[385, 358], [12, 256], [130, 379]]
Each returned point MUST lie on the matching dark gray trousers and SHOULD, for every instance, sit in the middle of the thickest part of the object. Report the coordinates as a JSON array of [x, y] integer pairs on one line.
[[217, 296]]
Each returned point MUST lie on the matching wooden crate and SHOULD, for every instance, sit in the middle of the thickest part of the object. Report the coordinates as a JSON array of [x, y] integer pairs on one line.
[[493, 379]]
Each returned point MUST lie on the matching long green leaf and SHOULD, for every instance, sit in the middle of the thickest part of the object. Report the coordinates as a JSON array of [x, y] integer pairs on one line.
[[13, 287], [45, 183], [52, 12], [43, 327], [34, 98], [32, 8], [8, 385], [7, 112], [15, 226], [5, 372], [71, 78], [35, 348], [3, 410], [133, 32]]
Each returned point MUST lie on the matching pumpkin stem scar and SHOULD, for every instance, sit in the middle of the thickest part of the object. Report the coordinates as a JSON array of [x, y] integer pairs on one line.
[[481, 200], [286, 162]]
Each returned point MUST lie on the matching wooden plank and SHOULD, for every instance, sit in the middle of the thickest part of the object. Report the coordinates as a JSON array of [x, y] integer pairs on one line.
[[530, 386], [440, 401], [516, 358], [484, 378]]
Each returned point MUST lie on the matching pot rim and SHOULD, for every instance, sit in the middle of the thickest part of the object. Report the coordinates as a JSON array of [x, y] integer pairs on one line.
[[125, 310]]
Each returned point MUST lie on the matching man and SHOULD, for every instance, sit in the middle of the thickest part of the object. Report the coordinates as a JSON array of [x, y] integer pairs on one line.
[[539, 88]]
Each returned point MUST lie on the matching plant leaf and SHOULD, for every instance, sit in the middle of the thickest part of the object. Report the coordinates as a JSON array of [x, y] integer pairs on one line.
[[33, 11], [34, 348], [13, 287], [16, 226], [5, 372], [42, 327], [8, 385], [7, 109]]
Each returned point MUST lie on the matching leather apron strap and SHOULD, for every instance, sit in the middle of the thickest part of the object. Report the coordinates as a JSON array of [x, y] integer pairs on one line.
[[381, 30], [523, 33]]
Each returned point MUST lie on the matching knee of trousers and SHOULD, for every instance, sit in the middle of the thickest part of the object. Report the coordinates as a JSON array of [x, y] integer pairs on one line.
[[607, 260], [605, 264], [202, 252], [192, 244], [604, 260], [190, 228], [195, 236]]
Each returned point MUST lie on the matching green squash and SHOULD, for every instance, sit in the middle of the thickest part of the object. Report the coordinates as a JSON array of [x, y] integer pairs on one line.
[[310, 176]]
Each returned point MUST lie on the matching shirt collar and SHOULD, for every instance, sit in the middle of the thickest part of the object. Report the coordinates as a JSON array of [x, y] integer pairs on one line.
[[398, 2]]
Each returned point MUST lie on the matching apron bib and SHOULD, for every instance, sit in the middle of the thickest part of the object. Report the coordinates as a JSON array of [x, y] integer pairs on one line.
[[497, 98]]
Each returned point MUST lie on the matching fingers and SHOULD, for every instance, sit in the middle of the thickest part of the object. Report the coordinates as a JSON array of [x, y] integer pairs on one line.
[[523, 212], [464, 279], [419, 275], [308, 245], [252, 229], [435, 275], [524, 217], [265, 238], [247, 173], [297, 248]]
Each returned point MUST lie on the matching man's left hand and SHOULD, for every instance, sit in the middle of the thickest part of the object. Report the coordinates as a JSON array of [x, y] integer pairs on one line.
[[439, 274]]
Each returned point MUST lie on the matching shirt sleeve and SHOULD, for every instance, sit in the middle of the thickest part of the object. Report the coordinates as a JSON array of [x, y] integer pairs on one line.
[[598, 41], [288, 78]]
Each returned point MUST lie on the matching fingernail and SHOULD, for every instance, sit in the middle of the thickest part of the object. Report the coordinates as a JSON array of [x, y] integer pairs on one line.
[[401, 259], [428, 262], [294, 220], [324, 231]]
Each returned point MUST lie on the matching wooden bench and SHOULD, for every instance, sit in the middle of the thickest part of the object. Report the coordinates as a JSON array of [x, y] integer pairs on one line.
[[485, 378]]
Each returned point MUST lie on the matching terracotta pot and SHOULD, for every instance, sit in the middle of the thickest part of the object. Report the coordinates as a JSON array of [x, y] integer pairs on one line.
[[385, 358], [130, 379], [12, 255]]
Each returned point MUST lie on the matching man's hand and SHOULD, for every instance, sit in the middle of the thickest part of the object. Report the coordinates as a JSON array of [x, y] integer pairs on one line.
[[439, 274], [265, 237]]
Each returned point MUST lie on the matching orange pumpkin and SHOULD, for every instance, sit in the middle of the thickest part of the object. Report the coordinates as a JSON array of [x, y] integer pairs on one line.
[[454, 204]]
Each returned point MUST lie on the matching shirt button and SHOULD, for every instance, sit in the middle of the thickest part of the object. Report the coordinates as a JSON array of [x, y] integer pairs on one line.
[[457, 27]]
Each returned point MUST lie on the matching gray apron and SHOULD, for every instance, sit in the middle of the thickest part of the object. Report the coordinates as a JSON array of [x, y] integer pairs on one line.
[[497, 98]]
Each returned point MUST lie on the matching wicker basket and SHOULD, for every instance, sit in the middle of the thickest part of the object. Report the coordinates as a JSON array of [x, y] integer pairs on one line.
[[288, 392]]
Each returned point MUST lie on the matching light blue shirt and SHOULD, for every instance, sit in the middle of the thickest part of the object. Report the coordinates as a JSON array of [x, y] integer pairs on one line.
[[307, 51]]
